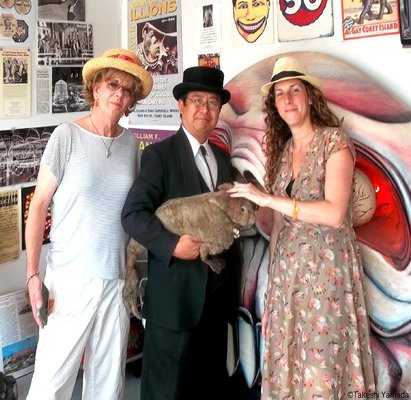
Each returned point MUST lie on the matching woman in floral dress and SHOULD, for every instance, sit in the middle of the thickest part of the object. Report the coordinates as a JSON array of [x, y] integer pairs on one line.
[[315, 324]]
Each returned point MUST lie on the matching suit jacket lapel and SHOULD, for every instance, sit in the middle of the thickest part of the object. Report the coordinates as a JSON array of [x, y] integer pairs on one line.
[[190, 175]]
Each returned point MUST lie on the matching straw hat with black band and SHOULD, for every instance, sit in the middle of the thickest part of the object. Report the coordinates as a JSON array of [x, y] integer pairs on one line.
[[286, 68], [123, 60]]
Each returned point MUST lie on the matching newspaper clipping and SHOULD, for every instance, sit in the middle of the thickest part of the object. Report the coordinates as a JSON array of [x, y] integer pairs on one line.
[[18, 334], [15, 88]]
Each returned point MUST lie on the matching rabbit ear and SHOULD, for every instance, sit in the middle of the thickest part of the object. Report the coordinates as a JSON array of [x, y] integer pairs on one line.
[[220, 200], [225, 186]]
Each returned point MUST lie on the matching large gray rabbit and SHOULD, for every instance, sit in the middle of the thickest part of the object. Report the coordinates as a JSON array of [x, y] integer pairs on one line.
[[214, 217]]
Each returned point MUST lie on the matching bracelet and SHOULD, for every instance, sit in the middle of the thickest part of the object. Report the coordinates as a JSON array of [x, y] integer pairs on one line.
[[295, 210], [32, 276]]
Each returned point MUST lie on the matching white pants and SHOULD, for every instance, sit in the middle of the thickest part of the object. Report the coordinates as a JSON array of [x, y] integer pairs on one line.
[[88, 318]]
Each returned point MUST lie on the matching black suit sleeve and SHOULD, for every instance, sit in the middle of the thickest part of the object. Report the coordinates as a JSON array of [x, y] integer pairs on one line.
[[145, 196]]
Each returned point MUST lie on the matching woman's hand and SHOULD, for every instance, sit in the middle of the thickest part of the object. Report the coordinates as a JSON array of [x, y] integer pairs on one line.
[[250, 192], [36, 298]]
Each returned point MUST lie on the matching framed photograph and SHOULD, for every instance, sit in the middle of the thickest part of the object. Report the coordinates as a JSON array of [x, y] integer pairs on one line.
[[405, 22]]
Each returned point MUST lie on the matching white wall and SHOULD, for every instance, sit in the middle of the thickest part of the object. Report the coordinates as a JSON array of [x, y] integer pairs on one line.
[[383, 58], [106, 18]]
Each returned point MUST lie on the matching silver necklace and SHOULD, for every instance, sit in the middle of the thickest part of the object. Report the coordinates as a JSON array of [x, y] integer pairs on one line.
[[108, 152]]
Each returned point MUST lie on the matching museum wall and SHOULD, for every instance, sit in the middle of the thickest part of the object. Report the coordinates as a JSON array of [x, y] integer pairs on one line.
[[382, 58]]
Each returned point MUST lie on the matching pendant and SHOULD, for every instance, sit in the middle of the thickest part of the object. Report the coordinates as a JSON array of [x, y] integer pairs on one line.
[[108, 153]]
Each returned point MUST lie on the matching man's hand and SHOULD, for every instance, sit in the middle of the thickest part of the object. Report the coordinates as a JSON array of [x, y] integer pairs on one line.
[[188, 247]]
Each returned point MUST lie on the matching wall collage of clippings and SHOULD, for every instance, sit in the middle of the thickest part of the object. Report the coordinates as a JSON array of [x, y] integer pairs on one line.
[[64, 42]]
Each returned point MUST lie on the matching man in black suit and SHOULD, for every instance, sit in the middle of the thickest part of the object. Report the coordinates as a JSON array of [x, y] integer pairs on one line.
[[187, 306]]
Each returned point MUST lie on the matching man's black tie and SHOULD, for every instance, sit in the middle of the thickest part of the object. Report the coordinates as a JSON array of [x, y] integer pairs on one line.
[[204, 153]]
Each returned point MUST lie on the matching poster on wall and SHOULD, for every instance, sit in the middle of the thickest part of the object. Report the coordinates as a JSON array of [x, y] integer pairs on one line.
[[405, 22], [9, 226], [144, 137], [18, 334], [15, 87], [67, 90], [27, 193], [366, 18], [62, 10], [20, 154], [208, 26], [250, 22], [154, 33], [64, 43], [301, 20], [17, 23], [209, 60]]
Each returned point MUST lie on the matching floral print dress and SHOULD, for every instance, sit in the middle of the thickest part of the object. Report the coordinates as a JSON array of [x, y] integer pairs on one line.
[[318, 345]]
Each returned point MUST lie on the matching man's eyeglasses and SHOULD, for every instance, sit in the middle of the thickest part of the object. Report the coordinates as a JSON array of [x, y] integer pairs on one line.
[[114, 86], [200, 102]]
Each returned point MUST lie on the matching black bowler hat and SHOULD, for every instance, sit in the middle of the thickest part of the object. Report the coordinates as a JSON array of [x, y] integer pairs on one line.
[[202, 79]]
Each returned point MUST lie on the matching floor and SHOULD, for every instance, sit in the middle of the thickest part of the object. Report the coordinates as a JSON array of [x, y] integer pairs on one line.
[[132, 390]]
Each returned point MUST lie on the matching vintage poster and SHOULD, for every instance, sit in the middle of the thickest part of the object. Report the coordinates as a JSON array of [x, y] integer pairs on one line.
[[251, 22], [304, 19], [18, 334], [62, 10], [154, 33], [9, 226], [208, 16], [20, 154], [144, 137], [15, 87], [365, 18], [27, 193], [209, 60], [64, 43], [405, 22], [67, 90], [17, 23]]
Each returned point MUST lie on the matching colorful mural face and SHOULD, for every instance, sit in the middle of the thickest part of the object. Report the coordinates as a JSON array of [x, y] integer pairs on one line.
[[250, 18], [380, 126]]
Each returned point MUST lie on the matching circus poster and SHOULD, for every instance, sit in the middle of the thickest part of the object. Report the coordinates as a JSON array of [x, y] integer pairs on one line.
[[366, 18]]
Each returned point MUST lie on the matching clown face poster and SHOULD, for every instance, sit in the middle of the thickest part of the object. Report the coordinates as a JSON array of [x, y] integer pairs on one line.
[[252, 22]]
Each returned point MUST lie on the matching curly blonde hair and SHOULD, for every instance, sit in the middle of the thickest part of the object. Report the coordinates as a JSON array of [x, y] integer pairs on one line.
[[278, 133]]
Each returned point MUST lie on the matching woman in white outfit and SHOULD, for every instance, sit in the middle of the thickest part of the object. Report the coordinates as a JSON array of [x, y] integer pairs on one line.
[[86, 172]]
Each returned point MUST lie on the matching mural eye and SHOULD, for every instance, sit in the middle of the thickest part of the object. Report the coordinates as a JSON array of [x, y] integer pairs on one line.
[[388, 231]]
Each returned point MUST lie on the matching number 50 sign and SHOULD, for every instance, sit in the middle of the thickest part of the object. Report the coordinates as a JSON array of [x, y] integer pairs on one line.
[[304, 19]]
